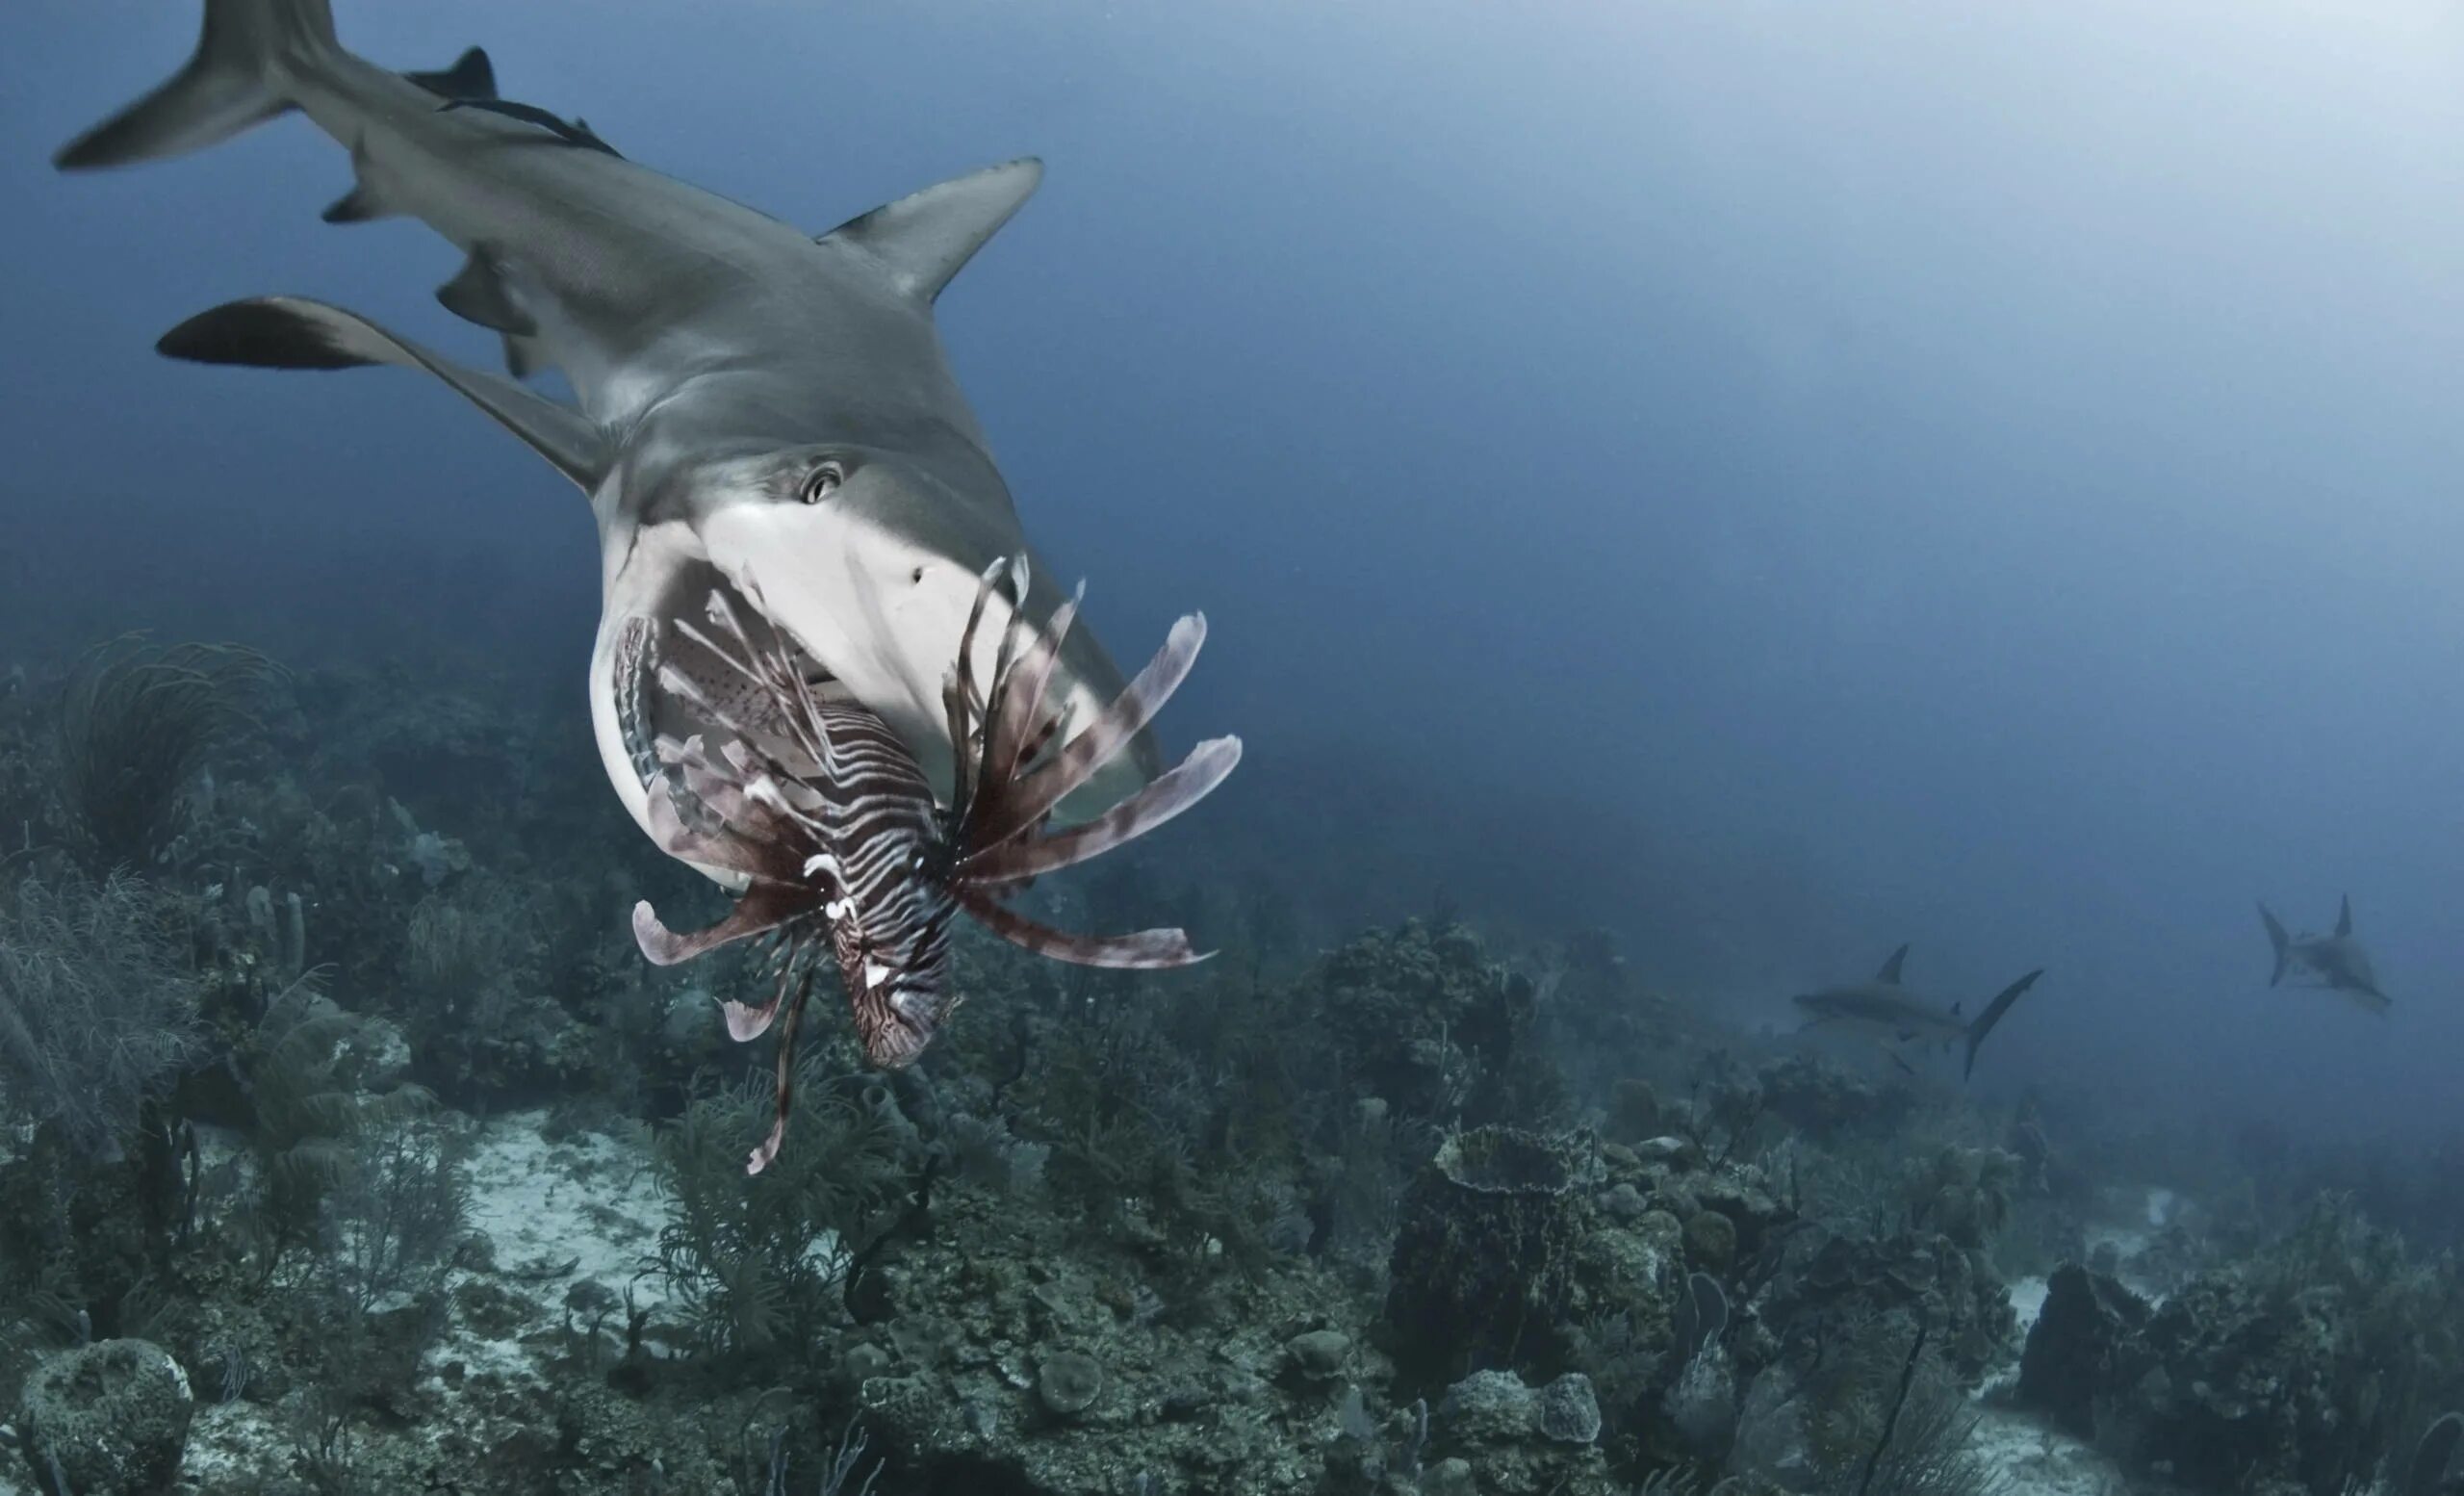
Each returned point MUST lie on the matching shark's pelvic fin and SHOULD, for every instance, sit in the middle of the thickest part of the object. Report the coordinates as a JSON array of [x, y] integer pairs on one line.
[[230, 82], [471, 77], [2344, 919], [363, 203], [292, 332], [525, 354], [478, 293], [1890, 969], [359, 205], [926, 238]]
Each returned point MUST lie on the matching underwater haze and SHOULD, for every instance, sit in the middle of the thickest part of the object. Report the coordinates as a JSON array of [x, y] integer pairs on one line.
[[1762, 482]]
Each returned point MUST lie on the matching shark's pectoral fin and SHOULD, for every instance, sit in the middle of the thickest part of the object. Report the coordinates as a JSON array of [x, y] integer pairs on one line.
[[292, 332], [926, 238]]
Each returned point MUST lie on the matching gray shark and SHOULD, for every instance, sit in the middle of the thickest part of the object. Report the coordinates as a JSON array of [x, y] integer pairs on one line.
[[2337, 961], [1892, 1012], [757, 412]]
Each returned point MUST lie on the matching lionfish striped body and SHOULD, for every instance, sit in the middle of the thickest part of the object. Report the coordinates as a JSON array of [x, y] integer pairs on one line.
[[819, 806]]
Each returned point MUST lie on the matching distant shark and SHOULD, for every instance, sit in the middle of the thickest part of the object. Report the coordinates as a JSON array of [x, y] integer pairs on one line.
[[2337, 960], [760, 414], [1891, 1011]]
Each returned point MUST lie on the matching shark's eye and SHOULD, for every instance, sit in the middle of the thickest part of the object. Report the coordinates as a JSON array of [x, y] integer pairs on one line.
[[823, 481]]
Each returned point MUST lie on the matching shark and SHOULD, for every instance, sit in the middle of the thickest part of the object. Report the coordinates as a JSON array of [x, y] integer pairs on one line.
[[1885, 1007], [759, 413], [2337, 961]]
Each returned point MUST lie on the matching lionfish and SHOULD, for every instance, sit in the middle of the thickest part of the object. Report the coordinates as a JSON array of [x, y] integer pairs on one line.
[[828, 817]]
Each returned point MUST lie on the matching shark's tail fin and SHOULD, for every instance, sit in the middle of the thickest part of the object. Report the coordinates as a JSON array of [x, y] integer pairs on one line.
[[1992, 1015], [233, 81], [2283, 943]]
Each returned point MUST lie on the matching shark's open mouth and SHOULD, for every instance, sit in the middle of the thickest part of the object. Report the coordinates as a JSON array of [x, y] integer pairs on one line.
[[652, 641]]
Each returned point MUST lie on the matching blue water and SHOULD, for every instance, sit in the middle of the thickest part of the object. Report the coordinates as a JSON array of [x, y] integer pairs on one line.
[[1772, 481]]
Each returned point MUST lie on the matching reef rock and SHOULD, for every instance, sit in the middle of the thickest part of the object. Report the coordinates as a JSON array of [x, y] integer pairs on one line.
[[2076, 1348], [108, 1419], [1483, 1264], [1825, 1101], [1517, 1437]]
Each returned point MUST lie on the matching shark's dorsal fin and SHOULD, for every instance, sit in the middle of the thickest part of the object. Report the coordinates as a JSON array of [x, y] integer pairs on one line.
[[1890, 969], [2344, 918], [926, 238], [293, 332], [1955, 1010]]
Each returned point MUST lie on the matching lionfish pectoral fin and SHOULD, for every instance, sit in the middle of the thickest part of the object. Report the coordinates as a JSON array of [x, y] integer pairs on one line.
[[1011, 732], [745, 1021], [1141, 950], [1185, 785], [765, 906], [1020, 804]]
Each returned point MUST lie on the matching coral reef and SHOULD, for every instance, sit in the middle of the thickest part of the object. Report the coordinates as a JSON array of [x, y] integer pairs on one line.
[[347, 1145], [2306, 1369]]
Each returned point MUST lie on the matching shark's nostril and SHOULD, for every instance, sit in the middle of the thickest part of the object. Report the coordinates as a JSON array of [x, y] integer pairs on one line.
[[917, 577]]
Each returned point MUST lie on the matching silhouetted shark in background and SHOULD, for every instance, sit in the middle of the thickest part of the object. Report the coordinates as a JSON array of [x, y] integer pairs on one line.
[[1894, 1013], [2337, 960]]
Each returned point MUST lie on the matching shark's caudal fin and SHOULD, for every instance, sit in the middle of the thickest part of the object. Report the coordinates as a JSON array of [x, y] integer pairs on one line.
[[236, 78], [231, 83], [1992, 1015], [293, 332], [2282, 941]]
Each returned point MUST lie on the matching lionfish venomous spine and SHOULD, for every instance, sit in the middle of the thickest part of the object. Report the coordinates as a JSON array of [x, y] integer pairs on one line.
[[826, 814]]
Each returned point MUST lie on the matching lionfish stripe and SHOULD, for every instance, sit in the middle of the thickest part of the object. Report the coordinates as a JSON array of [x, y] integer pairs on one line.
[[1023, 803], [1188, 783], [1145, 949]]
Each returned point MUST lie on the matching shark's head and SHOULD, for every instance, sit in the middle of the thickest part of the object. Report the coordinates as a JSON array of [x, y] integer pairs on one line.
[[869, 561], [2341, 959]]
